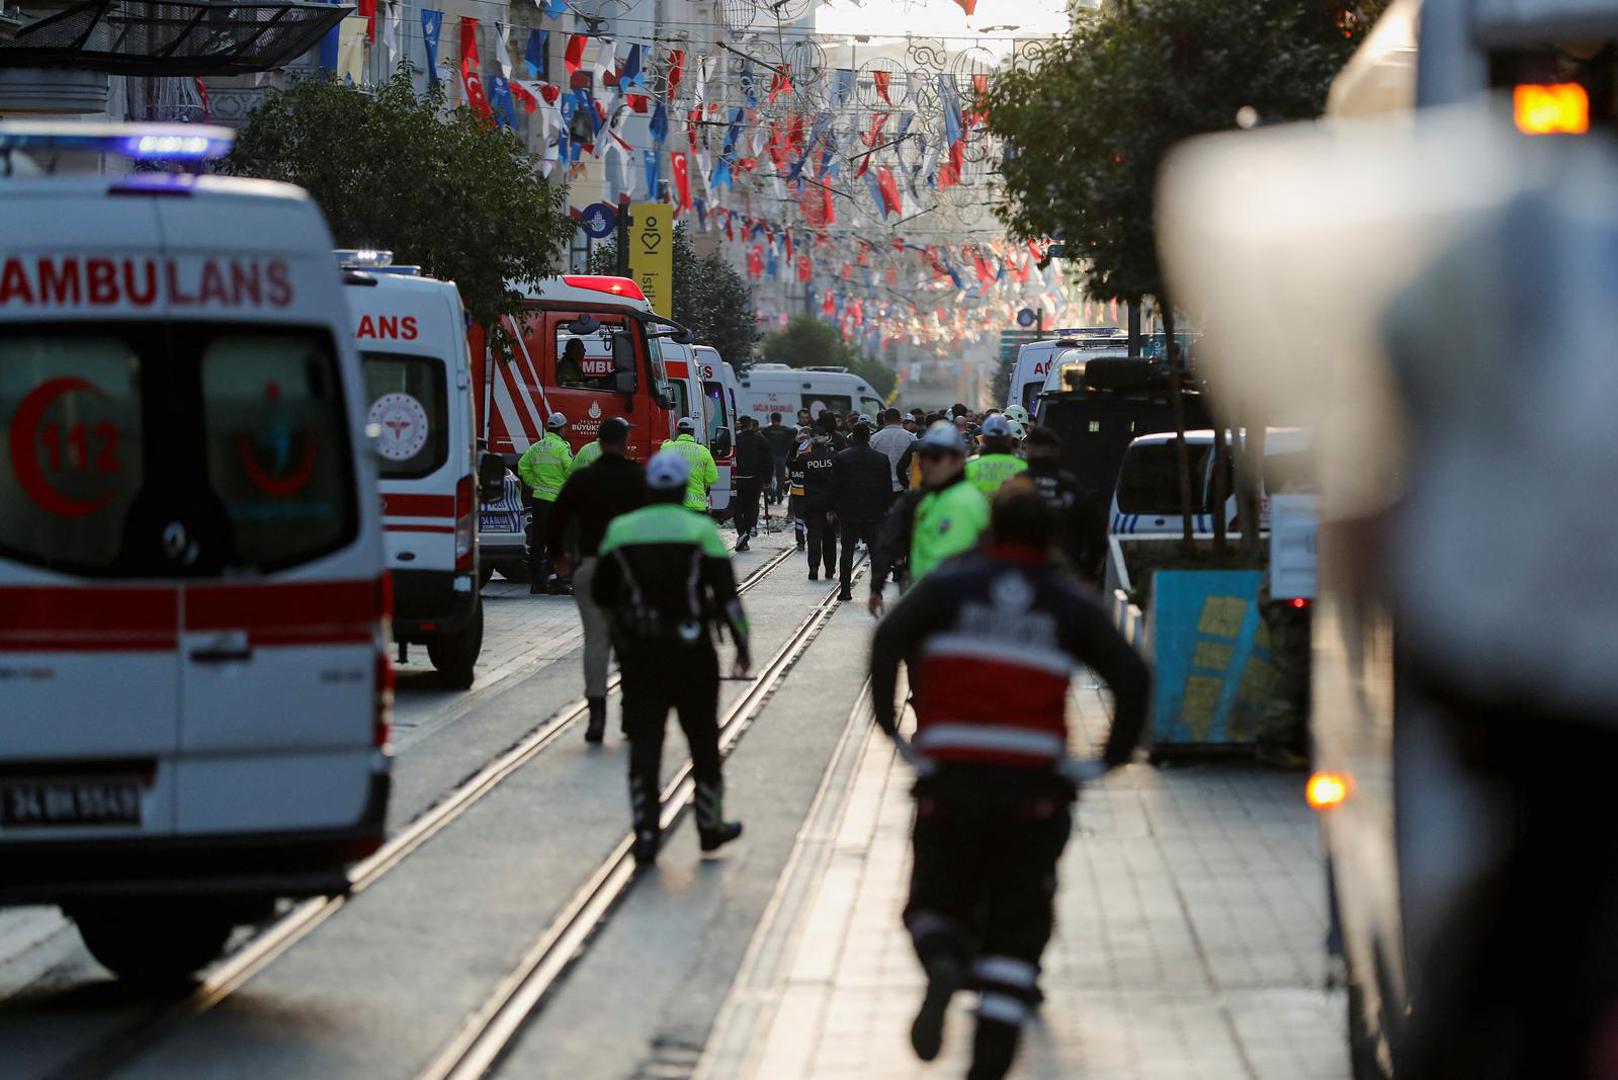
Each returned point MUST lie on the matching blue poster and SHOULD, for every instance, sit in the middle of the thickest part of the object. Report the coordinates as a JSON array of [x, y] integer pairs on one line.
[[432, 25], [1206, 628]]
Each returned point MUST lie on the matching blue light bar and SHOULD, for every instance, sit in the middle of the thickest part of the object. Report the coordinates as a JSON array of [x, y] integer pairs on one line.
[[141, 142]]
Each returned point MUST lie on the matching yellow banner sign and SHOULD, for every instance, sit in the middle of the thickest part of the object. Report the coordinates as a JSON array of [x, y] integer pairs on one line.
[[651, 253]]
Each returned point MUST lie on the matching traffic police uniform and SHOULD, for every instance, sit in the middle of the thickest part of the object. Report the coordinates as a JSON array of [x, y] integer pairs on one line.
[[991, 641], [926, 527], [996, 464], [544, 469], [665, 578], [704, 473], [588, 454]]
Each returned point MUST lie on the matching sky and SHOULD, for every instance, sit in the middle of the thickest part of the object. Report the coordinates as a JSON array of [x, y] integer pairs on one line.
[[941, 18]]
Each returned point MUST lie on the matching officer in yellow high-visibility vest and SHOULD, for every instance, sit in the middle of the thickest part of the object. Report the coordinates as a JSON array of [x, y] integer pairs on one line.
[[544, 468], [704, 473], [998, 462]]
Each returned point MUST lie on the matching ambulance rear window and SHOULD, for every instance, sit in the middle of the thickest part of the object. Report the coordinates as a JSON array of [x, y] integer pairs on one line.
[[71, 436], [152, 449], [818, 403], [409, 405]]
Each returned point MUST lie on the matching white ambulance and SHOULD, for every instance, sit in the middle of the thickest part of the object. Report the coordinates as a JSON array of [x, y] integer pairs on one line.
[[195, 690], [410, 332], [719, 384], [1036, 360], [777, 388]]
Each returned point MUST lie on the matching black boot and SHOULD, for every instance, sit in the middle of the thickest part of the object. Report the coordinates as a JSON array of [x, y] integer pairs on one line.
[[713, 830], [644, 810], [646, 848], [993, 1047], [945, 976], [598, 720]]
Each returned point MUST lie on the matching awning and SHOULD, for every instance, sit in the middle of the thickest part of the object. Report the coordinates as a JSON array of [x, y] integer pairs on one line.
[[183, 37]]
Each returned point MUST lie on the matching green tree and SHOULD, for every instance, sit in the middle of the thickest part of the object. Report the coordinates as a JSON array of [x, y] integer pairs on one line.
[[1086, 130], [438, 187], [808, 342], [710, 298]]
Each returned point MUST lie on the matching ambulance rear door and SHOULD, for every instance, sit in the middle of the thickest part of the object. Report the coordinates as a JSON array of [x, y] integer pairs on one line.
[[89, 647], [282, 638]]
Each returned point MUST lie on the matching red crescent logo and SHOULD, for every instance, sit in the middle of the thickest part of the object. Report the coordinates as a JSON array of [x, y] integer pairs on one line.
[[279, 486], [24, 448]]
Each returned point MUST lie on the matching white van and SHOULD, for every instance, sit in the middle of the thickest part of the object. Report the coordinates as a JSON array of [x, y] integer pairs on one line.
[[1036, 360], [777, 388], [194, 678], [410, 332], [1147, 498]]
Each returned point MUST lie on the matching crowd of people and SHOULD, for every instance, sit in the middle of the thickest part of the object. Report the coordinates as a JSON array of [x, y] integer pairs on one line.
[[995, 549]]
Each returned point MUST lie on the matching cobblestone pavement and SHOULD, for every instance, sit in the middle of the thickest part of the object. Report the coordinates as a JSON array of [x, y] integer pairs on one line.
[[1190, 939]]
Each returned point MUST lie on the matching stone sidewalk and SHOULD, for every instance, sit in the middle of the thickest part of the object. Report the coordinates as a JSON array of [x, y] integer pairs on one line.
[[1190, 940]]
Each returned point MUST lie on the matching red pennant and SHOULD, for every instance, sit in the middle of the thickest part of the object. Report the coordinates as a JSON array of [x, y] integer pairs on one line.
[[574, 56], [676, 70], [881, 79], [968, 6], [682, 181], [890, 190], [472, 68], [806, 268]]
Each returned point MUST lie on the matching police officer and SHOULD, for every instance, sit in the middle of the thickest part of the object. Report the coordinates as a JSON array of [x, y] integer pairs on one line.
[[999, 461], [544, 467], [588, 454], [991, 640], [817, 507], [593, 496], [704, 473], [795, 478], [755, 464], [661, 627], [941, 518]]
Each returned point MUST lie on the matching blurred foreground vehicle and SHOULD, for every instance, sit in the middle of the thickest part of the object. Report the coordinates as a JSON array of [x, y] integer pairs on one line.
[[194, 680], [1433, 296]]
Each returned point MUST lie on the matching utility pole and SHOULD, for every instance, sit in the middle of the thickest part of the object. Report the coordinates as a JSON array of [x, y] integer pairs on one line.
[[623, 239]]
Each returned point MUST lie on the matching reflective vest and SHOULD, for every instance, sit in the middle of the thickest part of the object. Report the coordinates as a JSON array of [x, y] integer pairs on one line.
[[704, 473], [948, 521], [588, 453], [544, 466], [987, 472]]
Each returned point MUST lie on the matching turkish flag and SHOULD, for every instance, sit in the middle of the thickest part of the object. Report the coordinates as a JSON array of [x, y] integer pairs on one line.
[[472, 68], [682, 181], [676, 70], [968, 6]]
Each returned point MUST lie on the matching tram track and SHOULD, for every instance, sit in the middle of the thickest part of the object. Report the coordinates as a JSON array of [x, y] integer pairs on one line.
[[286, 930], [488, 1032]]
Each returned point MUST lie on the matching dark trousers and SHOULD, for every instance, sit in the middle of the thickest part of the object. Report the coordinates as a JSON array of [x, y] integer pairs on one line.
[[778, 481], [656, 678], [983, 888], [822, 540], [855, 530], [747, 492], [539, 563]]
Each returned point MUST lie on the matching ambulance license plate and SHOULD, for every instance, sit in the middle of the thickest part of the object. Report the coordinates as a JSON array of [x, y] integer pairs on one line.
[[98, 801], [495, 523]]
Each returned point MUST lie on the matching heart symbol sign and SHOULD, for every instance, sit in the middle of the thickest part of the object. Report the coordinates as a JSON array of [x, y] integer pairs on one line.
[[651, 240]]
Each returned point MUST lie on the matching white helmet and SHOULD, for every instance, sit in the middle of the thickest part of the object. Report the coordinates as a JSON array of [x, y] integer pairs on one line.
[[1017, 413], [667, 471], [556, 422], [1018, 432]]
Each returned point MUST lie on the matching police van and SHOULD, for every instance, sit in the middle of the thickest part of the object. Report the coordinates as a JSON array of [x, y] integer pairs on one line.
[[410, 332], [194, 676]]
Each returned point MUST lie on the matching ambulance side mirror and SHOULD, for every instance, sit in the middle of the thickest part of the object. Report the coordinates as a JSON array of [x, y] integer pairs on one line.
[[625, 380], [491, 477]]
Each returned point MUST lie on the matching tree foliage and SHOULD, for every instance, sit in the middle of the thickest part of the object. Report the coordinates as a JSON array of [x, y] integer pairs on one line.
[[710, 298], [438, 187], [808, 342], [1087, 129]]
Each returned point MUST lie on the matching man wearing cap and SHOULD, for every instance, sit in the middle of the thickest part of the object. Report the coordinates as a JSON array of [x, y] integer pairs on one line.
[[544, 468], [941, 519], [666, 580], [999, 461], [593, 496], [704, 473]]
